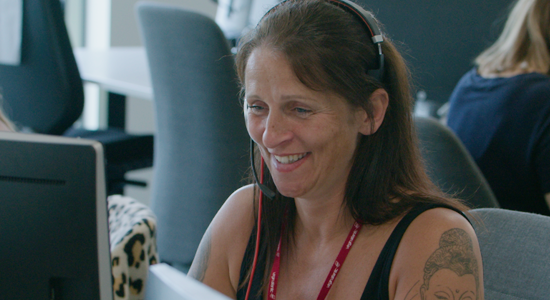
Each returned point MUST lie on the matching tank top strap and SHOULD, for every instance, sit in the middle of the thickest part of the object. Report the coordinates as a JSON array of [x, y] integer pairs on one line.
[[255, 293], [377, 287]]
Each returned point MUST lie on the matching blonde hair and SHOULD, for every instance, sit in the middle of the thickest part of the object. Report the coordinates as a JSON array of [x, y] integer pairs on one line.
[[524, 42]]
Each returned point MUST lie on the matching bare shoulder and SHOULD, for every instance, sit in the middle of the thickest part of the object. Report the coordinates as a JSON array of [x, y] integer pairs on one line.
[[238, 210], [235, 218], [218, 258], [438, 258]]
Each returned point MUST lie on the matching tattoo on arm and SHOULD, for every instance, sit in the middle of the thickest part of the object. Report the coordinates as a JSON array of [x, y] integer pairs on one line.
[[451, 272], [413, 292], [200, 263]]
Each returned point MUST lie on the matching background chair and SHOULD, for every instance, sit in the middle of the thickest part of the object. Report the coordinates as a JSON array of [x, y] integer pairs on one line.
[[450, 165], [44, 93], [201, 148], [516, 254]]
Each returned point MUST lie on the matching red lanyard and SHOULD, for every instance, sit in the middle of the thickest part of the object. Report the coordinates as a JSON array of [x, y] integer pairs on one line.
[[331, 277]]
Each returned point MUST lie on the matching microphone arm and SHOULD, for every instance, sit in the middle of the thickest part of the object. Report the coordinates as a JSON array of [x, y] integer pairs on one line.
[[267, 191]]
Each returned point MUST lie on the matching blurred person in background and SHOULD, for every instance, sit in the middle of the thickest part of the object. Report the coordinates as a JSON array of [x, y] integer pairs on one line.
[[501, 110]]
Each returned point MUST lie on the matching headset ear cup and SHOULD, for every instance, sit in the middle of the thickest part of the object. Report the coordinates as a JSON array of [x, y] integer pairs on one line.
[[378, 73], [372, 28]]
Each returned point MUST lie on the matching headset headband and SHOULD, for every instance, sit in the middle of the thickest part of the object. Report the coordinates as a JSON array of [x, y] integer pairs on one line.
[[371, 26]]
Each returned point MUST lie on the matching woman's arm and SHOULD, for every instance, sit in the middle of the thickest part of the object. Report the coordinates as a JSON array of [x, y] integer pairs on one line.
[[438, 258], [219, 255]]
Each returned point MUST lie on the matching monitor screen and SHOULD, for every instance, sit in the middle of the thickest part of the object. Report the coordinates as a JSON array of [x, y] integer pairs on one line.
[[54, 227], [167, 283]]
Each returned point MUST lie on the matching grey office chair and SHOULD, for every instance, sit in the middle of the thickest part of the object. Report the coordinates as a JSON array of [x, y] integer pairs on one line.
[[515, 252], [450, 165], [44, 94], [201, 141]]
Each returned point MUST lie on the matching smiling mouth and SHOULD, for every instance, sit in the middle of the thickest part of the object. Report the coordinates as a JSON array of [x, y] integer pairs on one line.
[[290, 158]]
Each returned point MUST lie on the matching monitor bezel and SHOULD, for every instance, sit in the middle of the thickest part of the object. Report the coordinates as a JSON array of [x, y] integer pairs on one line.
[[103, 243]]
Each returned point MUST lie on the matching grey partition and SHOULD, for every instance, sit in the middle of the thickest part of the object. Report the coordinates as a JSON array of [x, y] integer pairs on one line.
[[201, 141]]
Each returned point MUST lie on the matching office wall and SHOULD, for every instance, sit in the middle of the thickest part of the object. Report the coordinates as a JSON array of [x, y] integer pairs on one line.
[[440, 39]]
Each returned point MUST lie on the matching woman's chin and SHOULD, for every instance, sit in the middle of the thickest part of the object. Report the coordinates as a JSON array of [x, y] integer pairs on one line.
[[291, 192]]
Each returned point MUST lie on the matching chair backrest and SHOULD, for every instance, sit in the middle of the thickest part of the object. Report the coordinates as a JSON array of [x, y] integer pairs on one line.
[[201, 143], [450, 165], [44, 92], [515, 248]]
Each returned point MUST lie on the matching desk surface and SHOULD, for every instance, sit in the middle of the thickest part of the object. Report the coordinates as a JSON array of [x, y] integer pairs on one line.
[[121, 70]]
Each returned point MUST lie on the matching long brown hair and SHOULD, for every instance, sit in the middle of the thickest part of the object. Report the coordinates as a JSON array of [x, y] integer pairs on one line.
[[329, 50]]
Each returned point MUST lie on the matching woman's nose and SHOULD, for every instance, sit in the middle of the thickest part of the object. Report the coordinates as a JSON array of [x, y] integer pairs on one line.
[[277, 130]]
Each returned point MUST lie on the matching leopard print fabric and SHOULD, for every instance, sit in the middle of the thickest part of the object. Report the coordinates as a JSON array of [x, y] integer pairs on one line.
[[132, 229]]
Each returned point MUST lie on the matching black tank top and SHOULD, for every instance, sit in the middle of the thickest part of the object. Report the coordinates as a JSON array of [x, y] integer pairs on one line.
[[377, 287]]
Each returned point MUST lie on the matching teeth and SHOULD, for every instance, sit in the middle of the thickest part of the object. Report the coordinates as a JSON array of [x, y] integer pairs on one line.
[[290, 158]]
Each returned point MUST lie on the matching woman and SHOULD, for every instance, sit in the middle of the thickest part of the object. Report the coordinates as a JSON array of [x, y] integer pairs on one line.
[[501, 110], [341, 159]]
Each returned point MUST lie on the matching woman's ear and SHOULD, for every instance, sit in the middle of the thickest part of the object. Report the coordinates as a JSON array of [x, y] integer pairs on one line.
[[379, 100]]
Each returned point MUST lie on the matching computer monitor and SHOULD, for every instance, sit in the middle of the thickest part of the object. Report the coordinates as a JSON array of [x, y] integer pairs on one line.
[[53, 219], [167, 283]]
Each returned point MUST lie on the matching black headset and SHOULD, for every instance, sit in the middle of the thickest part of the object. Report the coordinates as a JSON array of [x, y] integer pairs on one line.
[[371, 27], [376, 36]]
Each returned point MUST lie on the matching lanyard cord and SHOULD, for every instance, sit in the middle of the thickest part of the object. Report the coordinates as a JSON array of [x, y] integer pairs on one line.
[[257, 232], [331, 277]]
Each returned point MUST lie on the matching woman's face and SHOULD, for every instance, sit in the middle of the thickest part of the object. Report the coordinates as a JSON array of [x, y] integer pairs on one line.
[[307, 138]]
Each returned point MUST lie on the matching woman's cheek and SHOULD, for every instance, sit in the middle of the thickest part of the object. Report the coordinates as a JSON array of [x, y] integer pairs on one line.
[[254, 127]]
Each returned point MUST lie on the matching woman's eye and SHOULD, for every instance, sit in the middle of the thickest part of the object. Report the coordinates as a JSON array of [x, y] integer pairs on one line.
[[255, 108], [302, 111]]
